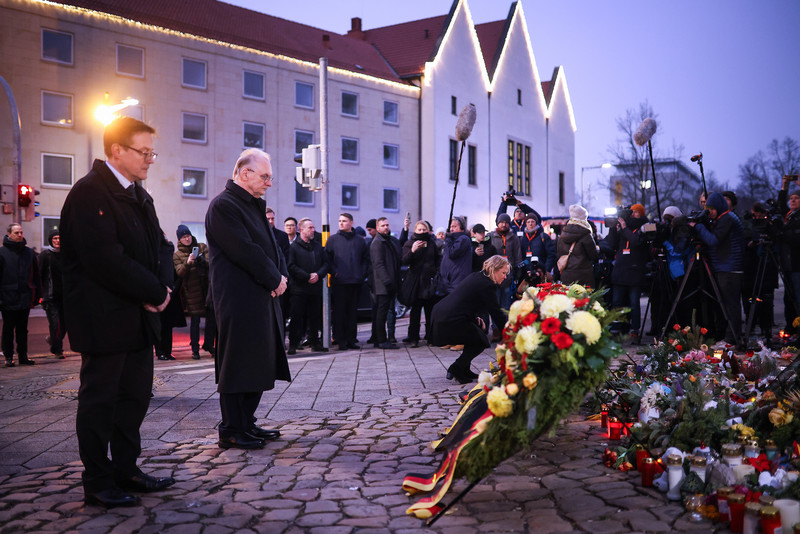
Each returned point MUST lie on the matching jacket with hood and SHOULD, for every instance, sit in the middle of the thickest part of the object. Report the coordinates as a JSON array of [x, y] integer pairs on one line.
[[580, 266], [724, 237]]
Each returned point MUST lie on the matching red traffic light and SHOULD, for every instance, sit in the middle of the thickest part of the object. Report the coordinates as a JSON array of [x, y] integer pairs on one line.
[[24, 195]]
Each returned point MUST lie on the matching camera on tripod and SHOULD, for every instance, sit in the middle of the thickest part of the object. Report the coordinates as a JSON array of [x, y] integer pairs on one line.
[[699, 217], [612, 214], [768, 225]]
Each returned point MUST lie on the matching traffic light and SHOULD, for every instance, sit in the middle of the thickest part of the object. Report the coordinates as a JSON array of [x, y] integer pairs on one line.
[[24, 195]]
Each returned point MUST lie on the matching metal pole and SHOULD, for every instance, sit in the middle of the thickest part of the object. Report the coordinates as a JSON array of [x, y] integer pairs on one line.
[[326, 229], [17, 138]]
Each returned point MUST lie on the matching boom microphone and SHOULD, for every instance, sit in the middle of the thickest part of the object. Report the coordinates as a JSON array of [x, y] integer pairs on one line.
[[645, 131], [466, 120]]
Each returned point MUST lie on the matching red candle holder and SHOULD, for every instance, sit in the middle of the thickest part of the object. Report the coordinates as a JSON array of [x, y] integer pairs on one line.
[[604, 418], [614, 428], [641, 455], [648, 470]]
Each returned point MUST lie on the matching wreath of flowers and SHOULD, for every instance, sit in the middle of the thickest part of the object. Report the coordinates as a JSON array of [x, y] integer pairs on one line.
[[555, 349]]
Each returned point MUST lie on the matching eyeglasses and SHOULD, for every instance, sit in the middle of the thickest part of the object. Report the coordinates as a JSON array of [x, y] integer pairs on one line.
[[265, 177], [147, 155]]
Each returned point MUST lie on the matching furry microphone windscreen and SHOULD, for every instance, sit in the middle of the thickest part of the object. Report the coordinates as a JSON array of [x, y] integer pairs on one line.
[[645, 132], [466, 120]]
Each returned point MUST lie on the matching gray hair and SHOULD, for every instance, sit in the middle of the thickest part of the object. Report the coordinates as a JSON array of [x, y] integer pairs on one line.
[[248, 156]]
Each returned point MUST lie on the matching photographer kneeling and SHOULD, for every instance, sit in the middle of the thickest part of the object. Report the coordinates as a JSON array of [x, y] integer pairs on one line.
[[461, 318], [725, 239]]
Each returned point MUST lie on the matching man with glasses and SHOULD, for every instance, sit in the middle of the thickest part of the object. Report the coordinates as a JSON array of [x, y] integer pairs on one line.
[[248, 274], [112, 247]]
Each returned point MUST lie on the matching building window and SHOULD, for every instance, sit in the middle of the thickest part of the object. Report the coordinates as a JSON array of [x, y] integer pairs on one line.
[[56, 108], [349, 104], [453, 106], [472, 154], [253, 85], [49, 225], [57, 46], [390, 200], [390, 156], [194, 127], [390, 112], [130, 61], [57, 169], [304, 95], [349, 150], [301, 140], [561, 188], [253, 135], [453, 158], [194, 182], [302, 195], [519, 97], [350, 196], [194, 73], [519, 167]]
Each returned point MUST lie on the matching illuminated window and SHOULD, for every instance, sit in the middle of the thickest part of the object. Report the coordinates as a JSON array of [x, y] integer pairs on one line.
[[519, 167], [350, 196], [130, 61], [194, 127], [472, 154], [57, 169], [390, 156], [57, 46], [56, 109], [252, 85], [194, 182], [302, 195], [304, 95], [349, 104], [349, 150], [253, 135], [194, 73], [390, 202], [390, 112]]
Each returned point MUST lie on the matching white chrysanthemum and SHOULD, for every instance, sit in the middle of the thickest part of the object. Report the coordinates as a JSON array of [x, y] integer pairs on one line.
[[598, 308], [528, 339], [651, 395], [577, 290], [553, 305], [520, 307], [583, 322], [485, 379]]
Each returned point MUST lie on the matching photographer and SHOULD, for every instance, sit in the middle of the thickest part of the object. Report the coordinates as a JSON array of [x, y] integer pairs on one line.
[[626, 242], [790, 246], [725, 239], [759, 237], [576, 236], [535, 242], [517, 224]]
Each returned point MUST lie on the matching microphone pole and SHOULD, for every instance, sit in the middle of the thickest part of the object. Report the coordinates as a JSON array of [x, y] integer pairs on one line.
[[655, 182], [455, 186], [466, 120]]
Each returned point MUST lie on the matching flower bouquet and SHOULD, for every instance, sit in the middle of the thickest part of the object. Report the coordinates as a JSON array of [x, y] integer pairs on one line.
[[555, 349]]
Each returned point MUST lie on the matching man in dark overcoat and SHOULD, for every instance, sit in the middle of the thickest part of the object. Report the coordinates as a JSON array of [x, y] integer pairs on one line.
[[248, 274], [308, 268], [385, 255], [110, 242]]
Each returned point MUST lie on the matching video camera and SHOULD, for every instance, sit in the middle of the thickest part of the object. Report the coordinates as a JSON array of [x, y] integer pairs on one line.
[[509, 197], [699, 217], [529, 271], [769, 226], [612, 214]]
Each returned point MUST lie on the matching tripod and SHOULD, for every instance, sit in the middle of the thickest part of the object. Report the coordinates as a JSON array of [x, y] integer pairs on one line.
[[661, 280], [699, 289]]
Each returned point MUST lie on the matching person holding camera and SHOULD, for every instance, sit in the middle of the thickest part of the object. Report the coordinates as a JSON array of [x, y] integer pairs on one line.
[[790, 246], [535, 242], [191, 266], [724, 237], [626, 242], [517, 224]]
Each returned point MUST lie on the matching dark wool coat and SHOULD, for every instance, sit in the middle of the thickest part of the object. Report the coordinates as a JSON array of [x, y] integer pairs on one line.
[[454, 318], [50, 267], [488, 252], [631, 253], [110, 244], [304, 259], [456, 262], [246, 267], [580, 267], [422, 265], [348, 258], [193, 277], [384, 252], [20, 286]]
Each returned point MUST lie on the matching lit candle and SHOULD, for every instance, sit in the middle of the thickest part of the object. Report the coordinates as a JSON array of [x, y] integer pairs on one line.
[[736, 505], [648, 469], [604, 416], [732, 454], [790, 513], [770, 520], [698, 466], [614, 428], [751, 449], [771, 449], [722, 503]]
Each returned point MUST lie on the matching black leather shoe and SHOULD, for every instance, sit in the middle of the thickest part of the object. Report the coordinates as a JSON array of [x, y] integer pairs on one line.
[[196, 356], [144, 483], [163, 357], [10, 363], [26, 361], [292, 351], [264, 433], [353, 346], [386, 345], [241, 441], [110, 498]]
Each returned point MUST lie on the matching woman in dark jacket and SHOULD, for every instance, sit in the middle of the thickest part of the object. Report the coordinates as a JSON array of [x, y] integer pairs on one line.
[[456, 257], [460, 317], [577, 231], [422, 256], [193, 272]]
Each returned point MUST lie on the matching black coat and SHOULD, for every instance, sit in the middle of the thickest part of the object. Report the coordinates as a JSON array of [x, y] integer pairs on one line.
[[304, 259], [110, 244], [631, 253], [50, 268], [348, 258], [422, 265], [488, 252], [20, 284], [580, 266], [454, 318], [384, 252], [246, 266]]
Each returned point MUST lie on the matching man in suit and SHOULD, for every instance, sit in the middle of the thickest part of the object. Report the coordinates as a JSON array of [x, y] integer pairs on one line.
[[248, 274], [111, 242]]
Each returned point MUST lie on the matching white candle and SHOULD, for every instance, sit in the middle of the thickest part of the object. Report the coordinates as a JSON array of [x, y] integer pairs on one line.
[[741, 471], [790, 513]]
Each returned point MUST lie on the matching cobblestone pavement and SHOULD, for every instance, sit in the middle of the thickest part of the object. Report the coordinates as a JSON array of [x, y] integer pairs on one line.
[[353, 424]]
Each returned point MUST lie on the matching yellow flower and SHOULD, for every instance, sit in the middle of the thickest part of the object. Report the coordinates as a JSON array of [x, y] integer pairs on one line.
[[520, 307], [743, 429], [499, 403], [528, 339], [554, 305], [583, 322], [512, 389], [779, 417], [530, 380]]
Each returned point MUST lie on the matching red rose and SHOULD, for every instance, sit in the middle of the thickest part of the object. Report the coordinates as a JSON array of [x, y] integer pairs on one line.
[[561, 340], [676, 327], [551, 325], [679, 347], [529, 319], [580, 303], [704, 331]]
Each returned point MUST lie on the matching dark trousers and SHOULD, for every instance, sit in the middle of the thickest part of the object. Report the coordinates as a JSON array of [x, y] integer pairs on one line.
[[15, 322], [344, 299], [306, 317], [164, 348], [238, 412], [630, 295], [730, 288], [382, 305], [112, 401], [55, 321], [209, 333], [414, 318]]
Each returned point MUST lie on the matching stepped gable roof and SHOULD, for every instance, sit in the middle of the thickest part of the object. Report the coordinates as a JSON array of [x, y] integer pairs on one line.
[[236, 25], [492, 36], [409, 45]]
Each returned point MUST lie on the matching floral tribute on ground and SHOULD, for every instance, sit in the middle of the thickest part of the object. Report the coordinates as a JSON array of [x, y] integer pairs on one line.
[[555, 349]]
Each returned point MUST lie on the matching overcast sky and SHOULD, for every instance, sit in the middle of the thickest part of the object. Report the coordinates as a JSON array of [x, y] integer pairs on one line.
[[722, 75]]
